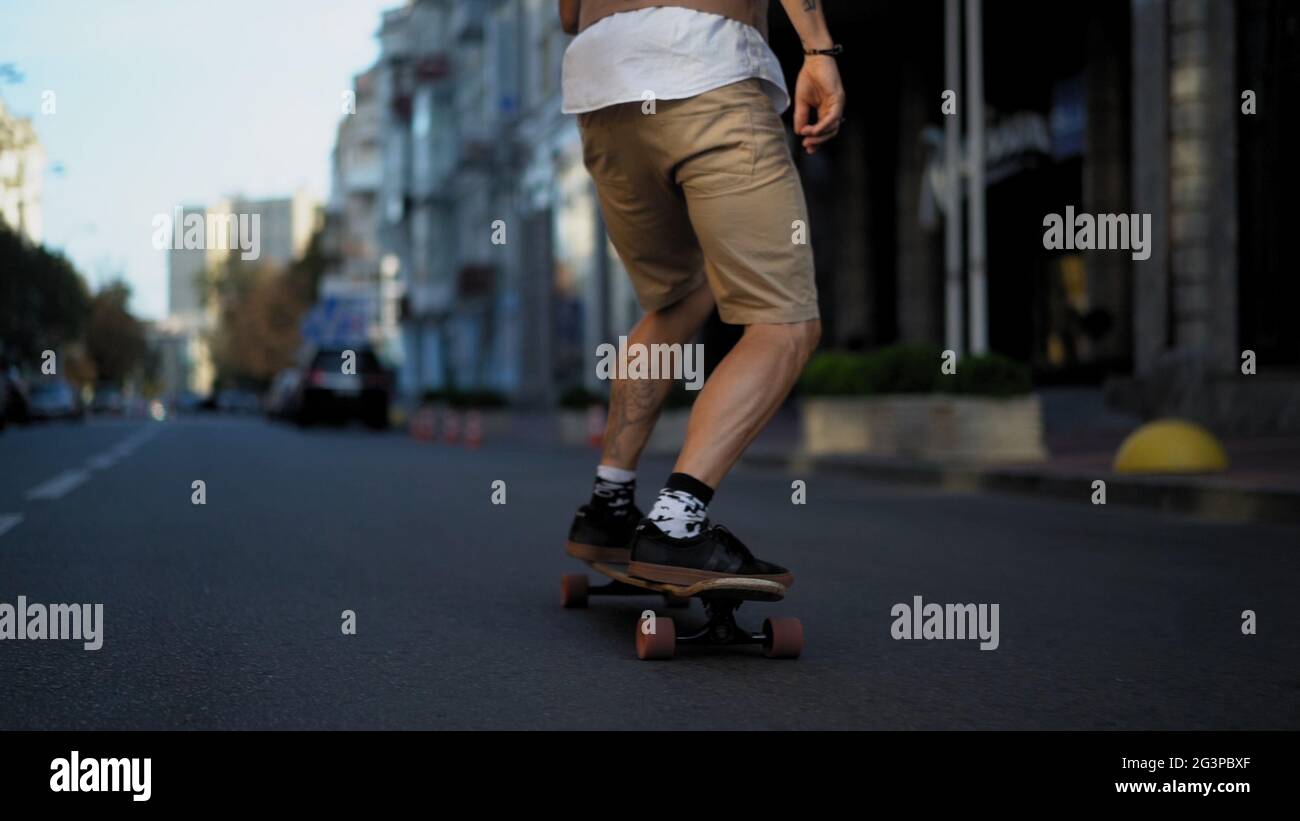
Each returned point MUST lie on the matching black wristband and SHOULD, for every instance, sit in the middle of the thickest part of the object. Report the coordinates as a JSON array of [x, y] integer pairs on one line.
[[834, 51]]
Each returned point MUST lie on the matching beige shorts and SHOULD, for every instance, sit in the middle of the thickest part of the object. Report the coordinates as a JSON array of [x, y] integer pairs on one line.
[[705, 189]]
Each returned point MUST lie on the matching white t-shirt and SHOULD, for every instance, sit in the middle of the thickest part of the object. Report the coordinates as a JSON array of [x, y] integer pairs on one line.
[[669, 51]]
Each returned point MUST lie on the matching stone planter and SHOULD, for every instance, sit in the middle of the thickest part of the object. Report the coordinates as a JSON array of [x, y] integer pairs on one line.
[[927, 427]]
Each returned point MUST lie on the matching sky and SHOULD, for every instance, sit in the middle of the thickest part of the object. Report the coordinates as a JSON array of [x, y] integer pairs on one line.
[[161, 103]]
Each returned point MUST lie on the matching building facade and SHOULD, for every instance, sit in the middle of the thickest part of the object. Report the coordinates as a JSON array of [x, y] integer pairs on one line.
[[1115, 107], [22, 167], [508, 281], [285, 227]]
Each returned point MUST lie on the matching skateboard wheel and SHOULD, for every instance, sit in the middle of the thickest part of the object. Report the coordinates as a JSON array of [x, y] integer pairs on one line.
[[783, 638], [573, 590], [661, 644], [676, 601]]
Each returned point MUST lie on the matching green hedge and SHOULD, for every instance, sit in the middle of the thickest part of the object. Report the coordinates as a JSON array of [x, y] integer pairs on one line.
[[911, 369], [990, 375]]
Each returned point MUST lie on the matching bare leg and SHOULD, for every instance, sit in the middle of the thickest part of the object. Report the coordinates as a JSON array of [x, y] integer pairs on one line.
[[634, 404], [742, 394]]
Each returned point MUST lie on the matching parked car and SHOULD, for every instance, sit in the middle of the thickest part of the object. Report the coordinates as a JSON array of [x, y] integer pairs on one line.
[[54, 398], [326, 393], [186, 402], [15, 391], [107, 400], [238, 400], [280, 401]]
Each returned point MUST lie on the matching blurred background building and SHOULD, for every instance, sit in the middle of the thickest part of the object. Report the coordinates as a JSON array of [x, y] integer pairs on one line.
[[22, 167], [285, 228]]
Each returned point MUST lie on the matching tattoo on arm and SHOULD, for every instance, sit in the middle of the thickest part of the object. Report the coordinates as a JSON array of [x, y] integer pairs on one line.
[[810, 5]]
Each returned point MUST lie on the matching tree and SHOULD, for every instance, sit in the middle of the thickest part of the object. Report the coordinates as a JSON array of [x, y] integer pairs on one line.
[[260, 311], [44, 303], [115, 339]]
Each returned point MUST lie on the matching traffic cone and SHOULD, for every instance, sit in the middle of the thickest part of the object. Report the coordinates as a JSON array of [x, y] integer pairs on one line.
[[595, 426], [450, 427], [473, 430]]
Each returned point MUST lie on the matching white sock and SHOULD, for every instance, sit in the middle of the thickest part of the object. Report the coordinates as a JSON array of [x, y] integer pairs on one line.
[[613, 474], [679, 514]]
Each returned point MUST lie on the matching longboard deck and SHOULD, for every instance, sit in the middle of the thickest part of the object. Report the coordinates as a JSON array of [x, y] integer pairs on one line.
[[748, 589]]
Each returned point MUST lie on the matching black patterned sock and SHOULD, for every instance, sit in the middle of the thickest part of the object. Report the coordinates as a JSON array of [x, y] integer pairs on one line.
[[682, 509], [614, 490]]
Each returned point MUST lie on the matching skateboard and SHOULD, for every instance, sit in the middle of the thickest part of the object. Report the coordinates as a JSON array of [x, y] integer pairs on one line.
[[656, 637]]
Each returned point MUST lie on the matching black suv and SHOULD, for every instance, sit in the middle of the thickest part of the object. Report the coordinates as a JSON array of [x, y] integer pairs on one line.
[[328, 393]]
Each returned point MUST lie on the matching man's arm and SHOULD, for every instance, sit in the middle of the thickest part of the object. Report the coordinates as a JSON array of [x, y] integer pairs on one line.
[[569, 16], [818, 87]]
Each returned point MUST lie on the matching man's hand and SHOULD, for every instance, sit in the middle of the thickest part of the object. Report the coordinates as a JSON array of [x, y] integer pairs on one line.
[[818, 89]]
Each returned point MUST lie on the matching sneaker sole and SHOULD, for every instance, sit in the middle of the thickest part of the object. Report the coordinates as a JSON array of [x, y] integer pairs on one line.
[[687, 576], [594, 553]]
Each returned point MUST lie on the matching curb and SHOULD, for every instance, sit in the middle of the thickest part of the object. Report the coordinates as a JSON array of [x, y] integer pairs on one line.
[[1171, 494]]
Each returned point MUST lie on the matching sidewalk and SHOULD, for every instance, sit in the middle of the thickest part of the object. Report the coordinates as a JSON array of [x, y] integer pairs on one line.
[[1262, 482]]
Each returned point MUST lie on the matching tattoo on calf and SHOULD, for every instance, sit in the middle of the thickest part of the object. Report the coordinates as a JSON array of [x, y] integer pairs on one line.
[[632, 403]]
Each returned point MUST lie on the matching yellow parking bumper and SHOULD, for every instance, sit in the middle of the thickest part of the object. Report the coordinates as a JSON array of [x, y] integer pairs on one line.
[[1170, 446]]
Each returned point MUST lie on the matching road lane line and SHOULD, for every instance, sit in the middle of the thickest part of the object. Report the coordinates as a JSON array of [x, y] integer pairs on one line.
[[59, 486], [8, 521], [121, 450], [102, 462]]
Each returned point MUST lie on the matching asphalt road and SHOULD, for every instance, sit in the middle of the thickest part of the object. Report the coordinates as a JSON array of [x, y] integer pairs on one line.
[[228, 614]]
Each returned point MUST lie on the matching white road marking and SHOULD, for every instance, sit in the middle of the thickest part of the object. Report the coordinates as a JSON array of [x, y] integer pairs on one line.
[[102, 462], [8, 521], [65, 482], [59, 486], [121, 450]]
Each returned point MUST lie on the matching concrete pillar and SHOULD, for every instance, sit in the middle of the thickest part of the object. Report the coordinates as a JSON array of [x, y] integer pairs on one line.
[[1202, 184], [920, 285], [1150, 164], [1106, 173]]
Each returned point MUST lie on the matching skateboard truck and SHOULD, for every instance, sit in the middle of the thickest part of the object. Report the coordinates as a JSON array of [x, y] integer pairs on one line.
[[780, 637], [722, 627]]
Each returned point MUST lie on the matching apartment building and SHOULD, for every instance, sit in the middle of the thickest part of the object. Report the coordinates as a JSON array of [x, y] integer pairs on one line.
[[22, 165]]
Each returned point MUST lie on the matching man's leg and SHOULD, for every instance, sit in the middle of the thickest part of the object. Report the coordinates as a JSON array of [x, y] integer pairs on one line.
[[741, 396], [649, 225], [748, 212], [602, 529], [634, 404]]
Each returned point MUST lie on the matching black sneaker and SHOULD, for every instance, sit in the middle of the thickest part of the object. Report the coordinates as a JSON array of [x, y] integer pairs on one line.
[[598, 536], [715, 553]]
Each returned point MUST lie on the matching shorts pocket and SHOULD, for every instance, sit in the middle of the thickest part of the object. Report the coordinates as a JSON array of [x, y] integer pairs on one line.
[[599, 153], [720, 152]]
